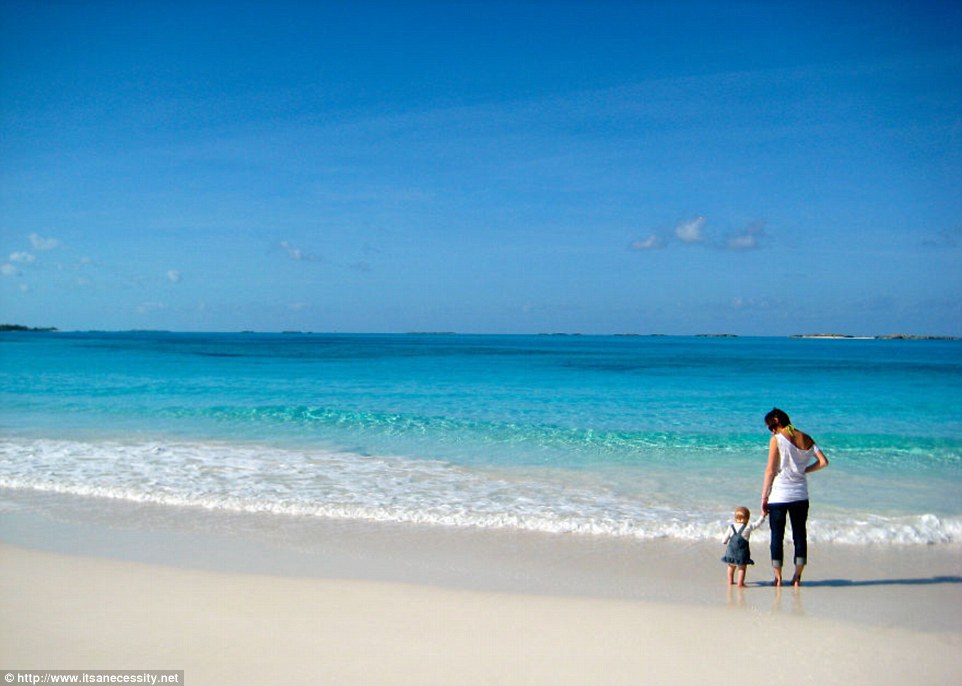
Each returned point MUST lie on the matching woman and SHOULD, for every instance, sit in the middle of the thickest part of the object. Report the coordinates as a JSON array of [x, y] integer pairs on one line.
[[792, 455]]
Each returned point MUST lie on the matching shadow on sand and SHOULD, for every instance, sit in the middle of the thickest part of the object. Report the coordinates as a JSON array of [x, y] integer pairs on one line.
[[846, 583]]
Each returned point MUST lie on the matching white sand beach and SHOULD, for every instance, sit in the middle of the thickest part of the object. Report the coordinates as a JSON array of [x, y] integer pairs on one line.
[[868, 616]]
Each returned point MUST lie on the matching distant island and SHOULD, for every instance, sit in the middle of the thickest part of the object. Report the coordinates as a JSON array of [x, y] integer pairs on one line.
[[18, 327], [911, 337], [887, 337], [831, 336]]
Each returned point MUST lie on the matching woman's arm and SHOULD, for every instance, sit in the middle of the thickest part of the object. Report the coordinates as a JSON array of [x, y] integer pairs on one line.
[[770, 470], [821, 463]]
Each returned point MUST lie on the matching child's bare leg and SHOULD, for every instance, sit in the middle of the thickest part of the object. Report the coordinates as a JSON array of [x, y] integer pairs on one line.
[[731, 574], [797, 579], [741, 576]]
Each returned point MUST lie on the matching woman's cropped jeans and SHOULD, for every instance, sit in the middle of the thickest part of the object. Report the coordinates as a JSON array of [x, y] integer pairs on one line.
[[797, 512]]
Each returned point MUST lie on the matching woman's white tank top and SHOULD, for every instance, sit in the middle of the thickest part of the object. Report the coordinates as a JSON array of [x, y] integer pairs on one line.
[[790, 482]]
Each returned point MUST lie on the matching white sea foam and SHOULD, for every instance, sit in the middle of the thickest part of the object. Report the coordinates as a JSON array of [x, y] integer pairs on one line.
[[343, 485]]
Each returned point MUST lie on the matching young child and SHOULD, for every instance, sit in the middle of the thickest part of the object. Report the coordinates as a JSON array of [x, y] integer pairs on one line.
[[738, 554]]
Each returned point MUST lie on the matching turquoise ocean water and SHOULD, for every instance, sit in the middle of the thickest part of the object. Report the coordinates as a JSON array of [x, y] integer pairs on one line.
[[644, 437]]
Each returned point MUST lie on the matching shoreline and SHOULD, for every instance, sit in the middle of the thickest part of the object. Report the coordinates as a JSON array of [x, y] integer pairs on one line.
[[868, 584], [253, 600], [227, 627]]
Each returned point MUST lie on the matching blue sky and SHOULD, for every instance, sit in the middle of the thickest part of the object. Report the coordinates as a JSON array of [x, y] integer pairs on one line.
[[759, 168]]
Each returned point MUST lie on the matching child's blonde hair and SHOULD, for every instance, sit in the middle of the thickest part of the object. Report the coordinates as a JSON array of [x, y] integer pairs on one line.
[[744, 512]]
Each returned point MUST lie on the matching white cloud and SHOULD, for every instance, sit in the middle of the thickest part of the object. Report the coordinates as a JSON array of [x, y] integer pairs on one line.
[[747, 238], [742, 242], [292, 251], [295, 253], [690, 231], [41, 243], [173, 276], [21, 257], [8, 269], [653, 242], [755, 304], [148, 307]]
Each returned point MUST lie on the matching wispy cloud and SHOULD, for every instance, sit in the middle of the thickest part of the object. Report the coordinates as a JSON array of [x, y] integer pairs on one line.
[[748, 238], [43, 244], [653, 242], [691, 231], [173, 276], [297, 254], [22, 257], [754, 304], [149, 307], [292, 251]]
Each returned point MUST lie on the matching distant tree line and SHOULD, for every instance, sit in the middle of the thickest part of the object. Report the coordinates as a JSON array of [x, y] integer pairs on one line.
[[19, 327]]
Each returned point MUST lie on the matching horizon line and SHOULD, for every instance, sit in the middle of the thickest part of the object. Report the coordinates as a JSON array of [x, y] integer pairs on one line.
[[17, 328]]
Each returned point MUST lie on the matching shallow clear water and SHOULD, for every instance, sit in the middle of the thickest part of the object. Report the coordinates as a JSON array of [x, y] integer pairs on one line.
[[614, 436]]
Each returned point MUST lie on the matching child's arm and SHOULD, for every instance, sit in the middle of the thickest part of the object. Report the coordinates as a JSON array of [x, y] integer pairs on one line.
[[728, 535], [757, 523]]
